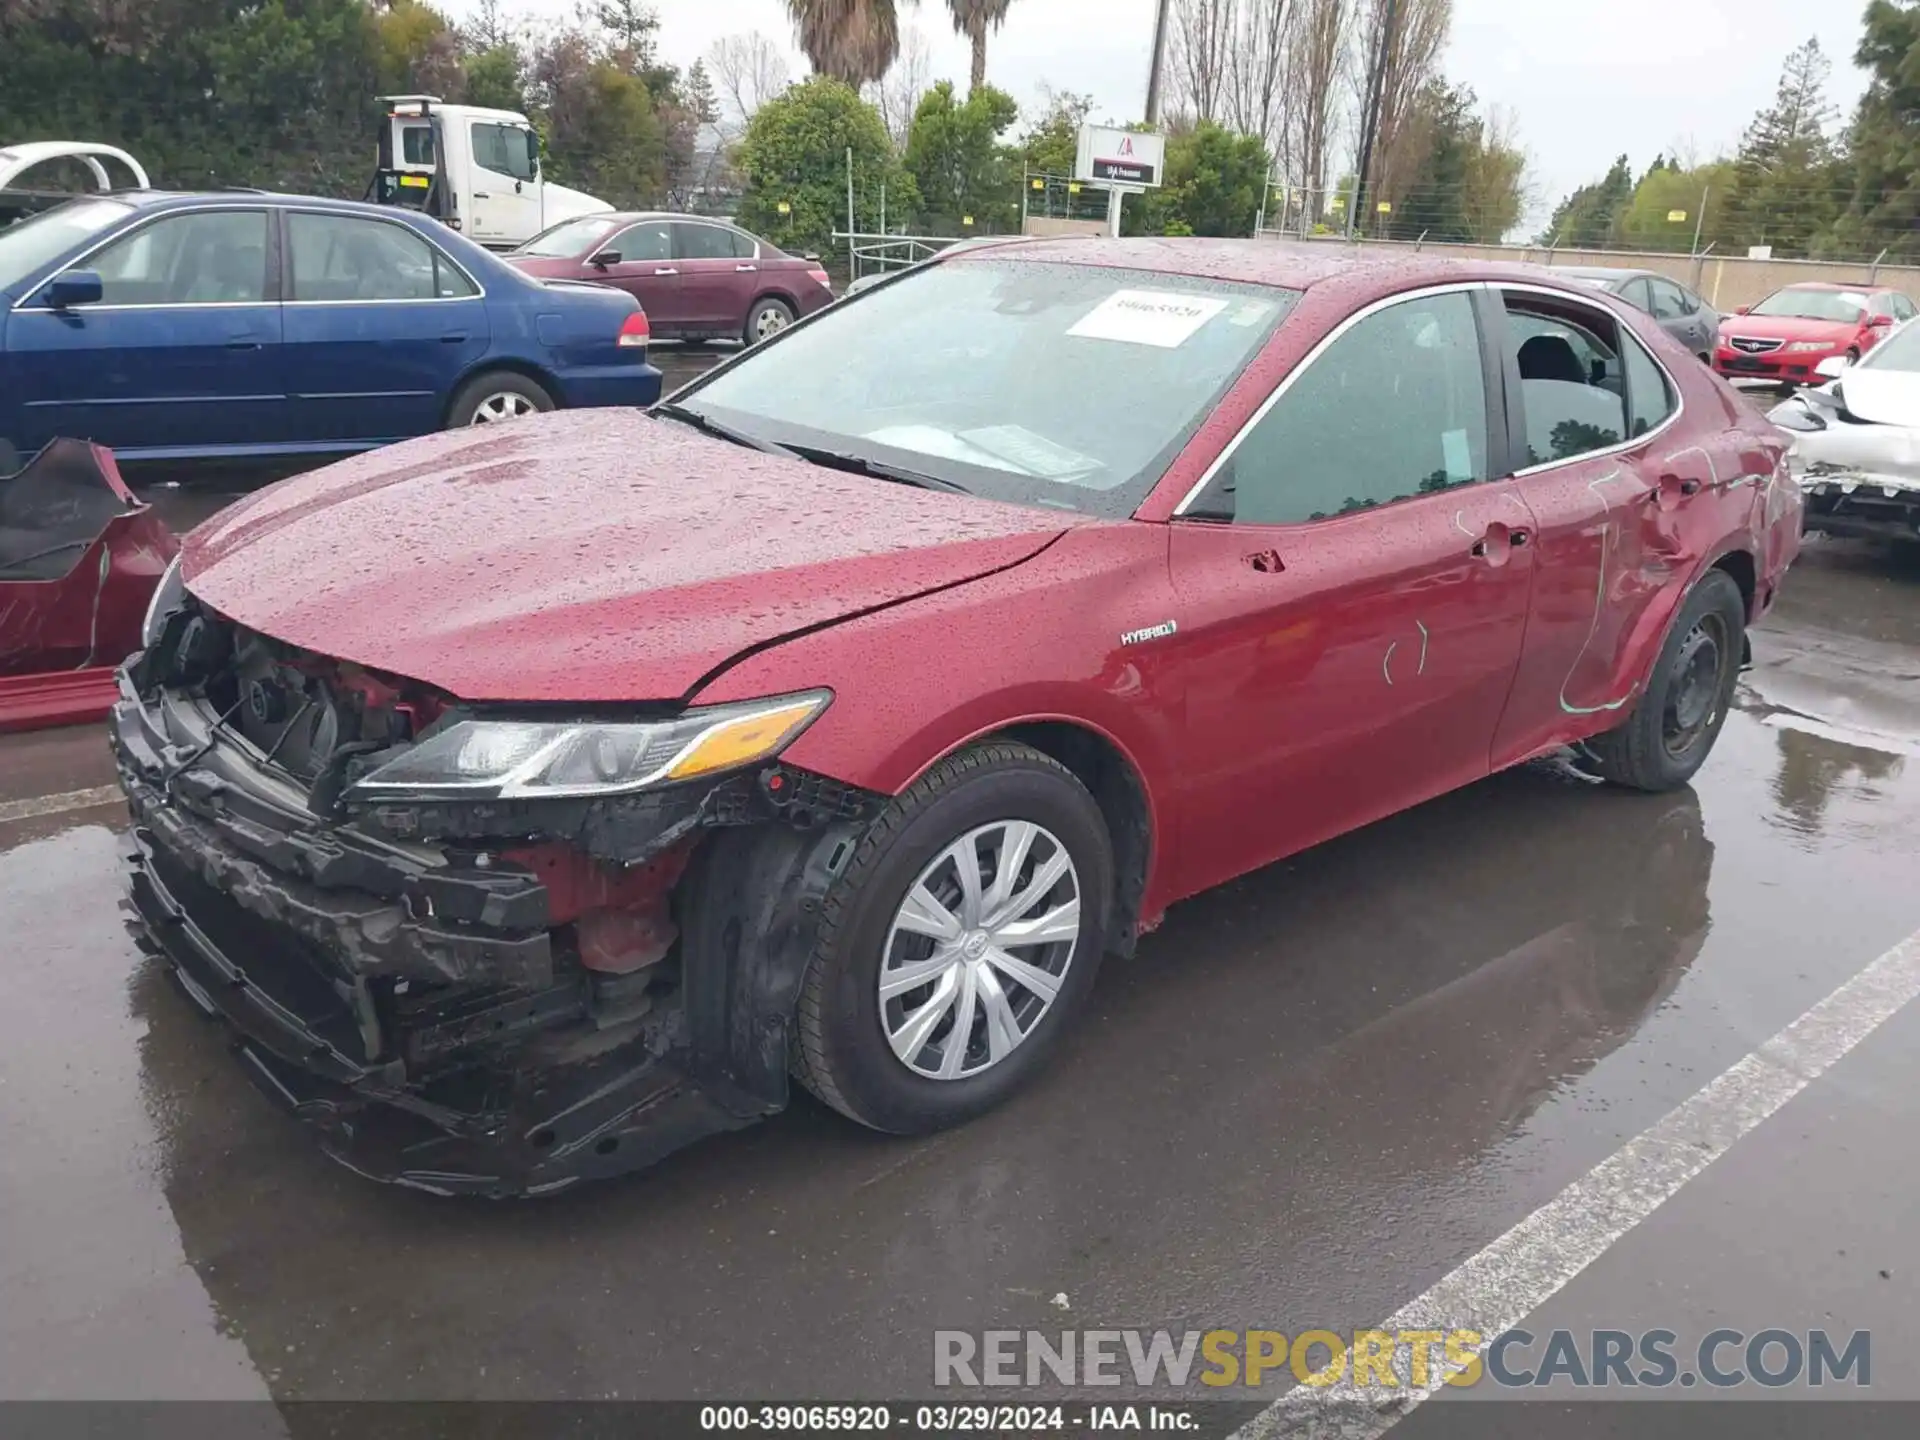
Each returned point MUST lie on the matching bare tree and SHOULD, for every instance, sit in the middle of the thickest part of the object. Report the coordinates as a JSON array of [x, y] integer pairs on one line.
[[1201, 48], [1256, 97], [750, 71], [1316, 57], [1419, 35], [896, 95]]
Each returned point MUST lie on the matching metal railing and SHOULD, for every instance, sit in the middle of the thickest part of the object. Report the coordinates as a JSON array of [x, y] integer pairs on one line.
[[881, 253]]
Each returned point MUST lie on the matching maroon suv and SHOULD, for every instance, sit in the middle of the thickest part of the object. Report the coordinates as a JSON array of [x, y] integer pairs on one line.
[[697, 278]]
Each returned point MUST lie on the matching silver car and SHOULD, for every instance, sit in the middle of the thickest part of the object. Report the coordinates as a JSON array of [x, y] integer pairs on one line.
[[1681, 313], [1856, 442]]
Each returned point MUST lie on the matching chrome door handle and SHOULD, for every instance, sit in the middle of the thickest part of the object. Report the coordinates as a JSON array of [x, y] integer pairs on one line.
[[481, 195], [743, 269], [666, 270]]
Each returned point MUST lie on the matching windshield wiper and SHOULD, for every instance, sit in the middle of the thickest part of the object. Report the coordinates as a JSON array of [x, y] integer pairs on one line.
[[711, 426], [878, 469]]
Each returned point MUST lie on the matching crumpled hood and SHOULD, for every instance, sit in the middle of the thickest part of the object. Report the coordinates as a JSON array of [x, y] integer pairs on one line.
[[1885, 450], [593, 555]]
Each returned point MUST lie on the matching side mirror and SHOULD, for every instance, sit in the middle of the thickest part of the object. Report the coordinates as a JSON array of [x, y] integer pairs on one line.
[[1833, 367], [604, 259], [533, 154], [1742, 309], [76, 287]]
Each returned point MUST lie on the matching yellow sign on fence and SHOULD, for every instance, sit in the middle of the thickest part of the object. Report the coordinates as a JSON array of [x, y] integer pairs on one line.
[[784, 208], [1385, 207], [1676, 216]]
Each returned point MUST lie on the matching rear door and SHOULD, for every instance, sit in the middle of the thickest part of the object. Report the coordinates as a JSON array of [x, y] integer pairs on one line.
[[181, 354], [1613, 492], [1352, 593], [719, 276], [379, 326]]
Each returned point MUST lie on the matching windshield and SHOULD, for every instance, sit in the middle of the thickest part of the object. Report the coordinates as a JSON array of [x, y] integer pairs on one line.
[[1844, 306], [566, 240], [28, 247], [1065, 385]]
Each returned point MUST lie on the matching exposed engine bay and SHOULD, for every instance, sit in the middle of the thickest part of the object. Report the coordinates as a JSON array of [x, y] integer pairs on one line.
[[490, 996]]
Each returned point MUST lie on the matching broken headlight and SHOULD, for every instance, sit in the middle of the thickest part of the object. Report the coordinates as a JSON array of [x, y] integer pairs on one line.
[[168, 596], [531, 760]]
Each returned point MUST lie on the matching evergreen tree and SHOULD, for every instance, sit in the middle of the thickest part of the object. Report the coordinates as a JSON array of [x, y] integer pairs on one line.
[[1785, 166], [1884, 208], [1589, 218]]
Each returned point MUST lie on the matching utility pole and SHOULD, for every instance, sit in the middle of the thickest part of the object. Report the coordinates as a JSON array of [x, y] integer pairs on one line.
[[1370, 111], [1159, 59]]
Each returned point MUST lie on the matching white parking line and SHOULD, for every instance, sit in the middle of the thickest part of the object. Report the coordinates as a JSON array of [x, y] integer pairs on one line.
[[1498, 1287], [59, 804]]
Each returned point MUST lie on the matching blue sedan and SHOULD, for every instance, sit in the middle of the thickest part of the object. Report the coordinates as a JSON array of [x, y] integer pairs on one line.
[[250, 325]]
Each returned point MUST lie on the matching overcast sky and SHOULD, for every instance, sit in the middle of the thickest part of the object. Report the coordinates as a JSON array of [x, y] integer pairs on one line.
[[1587, 80]]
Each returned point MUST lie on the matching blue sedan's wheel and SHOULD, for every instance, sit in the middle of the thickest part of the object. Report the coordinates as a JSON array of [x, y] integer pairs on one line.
[[495, 398]]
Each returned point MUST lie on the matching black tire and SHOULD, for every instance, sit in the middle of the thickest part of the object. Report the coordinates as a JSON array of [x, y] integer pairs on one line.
[[482, 390], [843, 1053], [1853, 356], [1662, 745], [768, 317]]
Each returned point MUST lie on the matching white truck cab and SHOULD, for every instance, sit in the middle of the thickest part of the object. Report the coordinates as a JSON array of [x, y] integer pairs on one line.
[[476, 169]]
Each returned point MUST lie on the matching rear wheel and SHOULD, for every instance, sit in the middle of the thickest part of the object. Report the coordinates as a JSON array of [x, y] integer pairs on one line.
[[959, 943], [498, 396], [768, 317], [1673, 728]]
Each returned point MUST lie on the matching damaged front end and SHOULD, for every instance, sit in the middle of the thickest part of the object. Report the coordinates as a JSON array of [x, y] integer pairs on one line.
[[443, 936], [1859, 474]]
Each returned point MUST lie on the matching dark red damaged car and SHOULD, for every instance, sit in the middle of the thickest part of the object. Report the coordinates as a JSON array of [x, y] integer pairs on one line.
[[532, 803]]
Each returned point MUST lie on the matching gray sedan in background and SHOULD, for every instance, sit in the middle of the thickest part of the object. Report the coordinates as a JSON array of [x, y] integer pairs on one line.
[[1681, 313]]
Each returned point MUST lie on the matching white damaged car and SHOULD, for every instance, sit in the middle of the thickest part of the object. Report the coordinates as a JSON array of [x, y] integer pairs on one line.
[[1856, 442]]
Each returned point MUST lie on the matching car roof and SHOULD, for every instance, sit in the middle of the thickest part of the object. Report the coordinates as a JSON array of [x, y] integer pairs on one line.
[[193, 199], [1287, 265], [1833, 285]]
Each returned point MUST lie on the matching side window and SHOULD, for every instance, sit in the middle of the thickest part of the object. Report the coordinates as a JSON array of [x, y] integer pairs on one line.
[[1650, 398], [503, 149], [210, 258], [1570, 379], [649, 240], [343, 257], [745, 247], [1321, 450], [1636, 294], [1668, 303], [702, 242], [1903, 308], [1690, 303]]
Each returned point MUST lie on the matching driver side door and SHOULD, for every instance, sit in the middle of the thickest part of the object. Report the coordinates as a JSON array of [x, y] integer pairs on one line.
[[1352, 594], [506, 195]]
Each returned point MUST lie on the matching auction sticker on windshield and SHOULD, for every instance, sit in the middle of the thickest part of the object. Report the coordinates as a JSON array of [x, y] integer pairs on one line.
[[1148, 317]]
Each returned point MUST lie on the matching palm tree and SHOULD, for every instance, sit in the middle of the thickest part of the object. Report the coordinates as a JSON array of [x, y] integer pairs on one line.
[[850, 40], [971, 19]]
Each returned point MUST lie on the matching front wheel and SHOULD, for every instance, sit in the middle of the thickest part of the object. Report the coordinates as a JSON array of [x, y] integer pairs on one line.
[[958, 944], [769, 316], [496, 397], [1673, 728]]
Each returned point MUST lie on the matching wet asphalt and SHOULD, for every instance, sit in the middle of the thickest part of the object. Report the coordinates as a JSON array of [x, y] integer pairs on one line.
[[1311, 1096]]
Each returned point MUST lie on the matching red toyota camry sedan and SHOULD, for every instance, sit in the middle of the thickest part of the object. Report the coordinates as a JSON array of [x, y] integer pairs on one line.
[[533, 802]]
